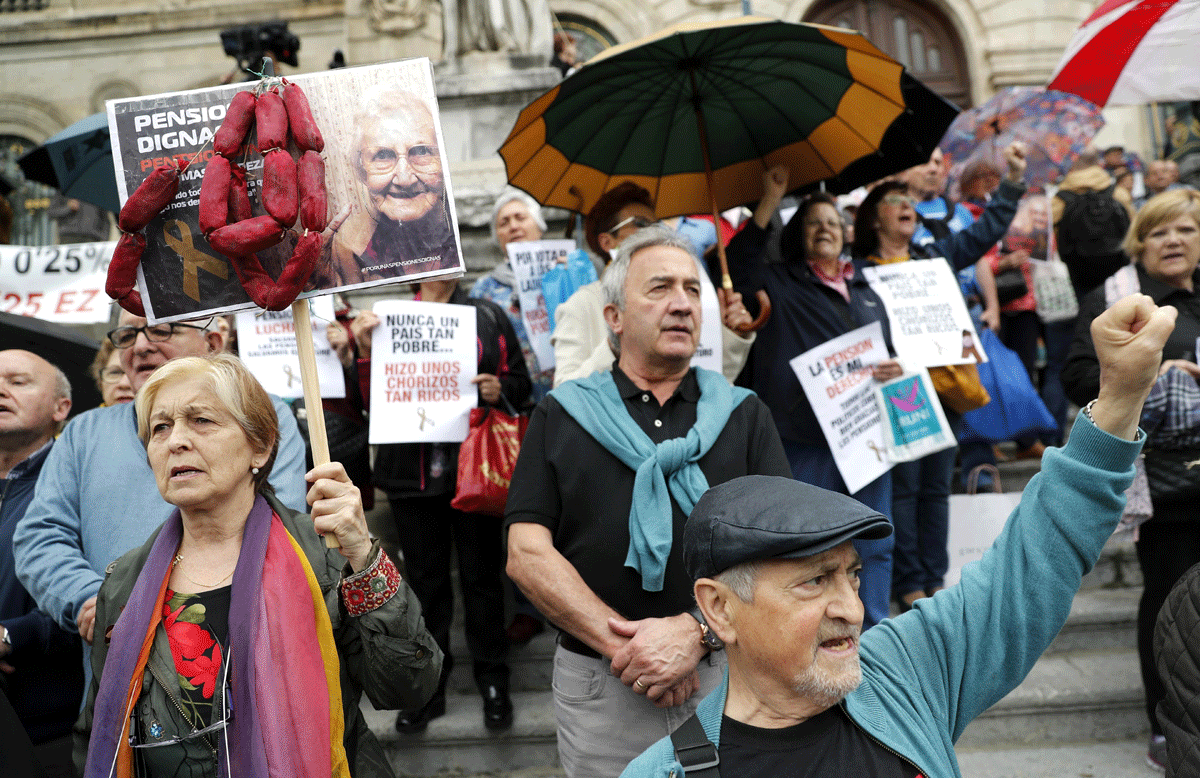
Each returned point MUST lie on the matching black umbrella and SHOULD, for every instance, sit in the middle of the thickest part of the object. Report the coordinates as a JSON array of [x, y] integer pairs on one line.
[[61, 346], [77, 162]]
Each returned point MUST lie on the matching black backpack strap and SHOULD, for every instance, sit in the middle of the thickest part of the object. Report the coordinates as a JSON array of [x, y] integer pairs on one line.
[[695, 751]]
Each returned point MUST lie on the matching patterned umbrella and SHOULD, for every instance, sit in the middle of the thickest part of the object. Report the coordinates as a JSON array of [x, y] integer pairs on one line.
[[1054, 126], [1130, 52]]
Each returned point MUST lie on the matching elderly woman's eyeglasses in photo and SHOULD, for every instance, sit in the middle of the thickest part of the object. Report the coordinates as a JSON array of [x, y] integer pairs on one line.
[[124, 337], [382, 160]]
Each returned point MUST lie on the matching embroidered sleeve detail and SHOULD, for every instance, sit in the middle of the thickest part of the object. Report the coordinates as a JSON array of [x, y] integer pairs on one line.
[[369, 589]]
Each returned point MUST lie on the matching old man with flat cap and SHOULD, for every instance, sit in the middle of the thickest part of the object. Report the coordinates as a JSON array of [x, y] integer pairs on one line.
[[776, 577]]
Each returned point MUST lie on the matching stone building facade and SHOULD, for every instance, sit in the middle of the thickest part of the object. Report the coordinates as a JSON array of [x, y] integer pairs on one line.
[[61, 59]]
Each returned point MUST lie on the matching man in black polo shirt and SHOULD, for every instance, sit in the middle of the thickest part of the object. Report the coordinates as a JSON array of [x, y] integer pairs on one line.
[[609, 469]]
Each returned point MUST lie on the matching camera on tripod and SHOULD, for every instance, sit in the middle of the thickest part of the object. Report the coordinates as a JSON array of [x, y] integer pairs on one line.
[[249, 43]]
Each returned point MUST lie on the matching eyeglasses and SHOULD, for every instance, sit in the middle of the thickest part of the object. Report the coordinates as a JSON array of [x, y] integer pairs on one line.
[[124, 337], [112, 375], [380, 160], [217, 726], [899, 199], [636, 221]]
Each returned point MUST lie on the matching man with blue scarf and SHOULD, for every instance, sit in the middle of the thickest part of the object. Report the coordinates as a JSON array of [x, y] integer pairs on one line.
[[609, 470]]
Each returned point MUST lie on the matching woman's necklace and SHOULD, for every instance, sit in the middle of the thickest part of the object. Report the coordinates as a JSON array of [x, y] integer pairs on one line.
[[179, 558]]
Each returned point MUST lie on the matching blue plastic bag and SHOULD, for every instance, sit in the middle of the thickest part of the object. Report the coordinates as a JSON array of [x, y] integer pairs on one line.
[[1016, 408], [561, 281]]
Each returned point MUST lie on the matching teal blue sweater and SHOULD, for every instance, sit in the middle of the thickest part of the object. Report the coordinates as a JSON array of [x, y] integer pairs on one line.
[[928, 673]]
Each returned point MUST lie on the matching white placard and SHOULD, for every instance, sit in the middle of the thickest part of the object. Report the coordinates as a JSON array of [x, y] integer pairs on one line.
[[928, 316], [710, 350], [63, 284], [837, 379], [267, 346], [914, 424], [423, 357], [530, 260]]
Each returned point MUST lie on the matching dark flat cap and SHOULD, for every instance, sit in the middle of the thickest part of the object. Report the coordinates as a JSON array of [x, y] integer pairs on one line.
[[768, 517]]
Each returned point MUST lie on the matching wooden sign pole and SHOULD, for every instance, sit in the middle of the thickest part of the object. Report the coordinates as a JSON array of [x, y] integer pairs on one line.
[[312, 391]]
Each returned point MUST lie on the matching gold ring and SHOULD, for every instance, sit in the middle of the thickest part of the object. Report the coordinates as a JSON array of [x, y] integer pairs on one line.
[[638, 683]]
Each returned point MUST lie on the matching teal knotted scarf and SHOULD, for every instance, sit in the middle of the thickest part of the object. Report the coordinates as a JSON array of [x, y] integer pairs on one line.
[[596, 405]]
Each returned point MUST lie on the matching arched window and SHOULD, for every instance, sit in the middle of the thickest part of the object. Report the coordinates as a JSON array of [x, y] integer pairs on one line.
[[917, 35], [30, 200], [591, 37]]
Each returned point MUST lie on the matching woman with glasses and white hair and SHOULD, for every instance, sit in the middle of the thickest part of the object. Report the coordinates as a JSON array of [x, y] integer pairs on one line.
[[516, 217], [233, 641]]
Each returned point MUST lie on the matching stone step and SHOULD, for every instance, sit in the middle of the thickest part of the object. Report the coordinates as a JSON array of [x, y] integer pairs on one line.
[[1100, 620]]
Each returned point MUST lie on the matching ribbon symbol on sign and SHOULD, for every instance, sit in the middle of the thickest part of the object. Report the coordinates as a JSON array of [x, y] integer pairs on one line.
[[878, 454], [287, 371], [424, 418], [194, 260]]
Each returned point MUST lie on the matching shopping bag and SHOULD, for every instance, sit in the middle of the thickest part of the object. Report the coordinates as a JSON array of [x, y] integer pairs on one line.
[[976, 520], [914, 424], [486, 460], [1015, 409], [561, 281]]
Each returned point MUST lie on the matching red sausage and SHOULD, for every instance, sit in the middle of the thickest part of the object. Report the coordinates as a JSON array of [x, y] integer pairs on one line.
[[296, 272], [279, 186], [314, 201], [154, 194], [214, 194], [232, 132], [239, 196], [132, 302], [271, 119], [246, 237], [304, 128], [122, 269]]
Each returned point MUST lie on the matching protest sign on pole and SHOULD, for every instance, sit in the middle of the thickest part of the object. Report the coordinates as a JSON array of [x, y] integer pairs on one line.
[[63, 284], [710, 350], [423, 357], [837, 379], [914, 423], [267, 346], [378, 234], [530, 260], [928, 316]]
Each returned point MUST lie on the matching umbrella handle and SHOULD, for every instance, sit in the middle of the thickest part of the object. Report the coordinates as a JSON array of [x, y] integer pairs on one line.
[[764, 313]]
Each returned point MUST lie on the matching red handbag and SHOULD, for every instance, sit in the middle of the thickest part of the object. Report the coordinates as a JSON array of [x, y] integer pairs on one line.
[[487, 457], [486, 460]]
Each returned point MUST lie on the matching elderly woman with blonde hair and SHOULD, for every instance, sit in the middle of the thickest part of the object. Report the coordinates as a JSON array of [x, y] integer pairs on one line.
[[1164, 243], [233, 642]]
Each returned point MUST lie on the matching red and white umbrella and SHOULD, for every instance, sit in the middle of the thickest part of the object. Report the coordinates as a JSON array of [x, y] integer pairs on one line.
[[1130, 52]]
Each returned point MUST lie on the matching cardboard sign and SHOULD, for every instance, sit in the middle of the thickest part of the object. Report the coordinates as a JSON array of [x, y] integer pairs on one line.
[[710, 350], [63, 284], [836, 377], [914, 423], [928, 316], [391, 206], [530, 260], [267, 346], [423, 357]]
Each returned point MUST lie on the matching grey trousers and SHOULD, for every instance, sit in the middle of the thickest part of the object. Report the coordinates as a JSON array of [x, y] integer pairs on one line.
[[603, 724]]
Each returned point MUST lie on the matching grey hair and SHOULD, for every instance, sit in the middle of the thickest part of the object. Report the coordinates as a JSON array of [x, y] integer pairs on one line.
[[62, 384], [613, 282], [509, 195], [378, 102], [741, 579]]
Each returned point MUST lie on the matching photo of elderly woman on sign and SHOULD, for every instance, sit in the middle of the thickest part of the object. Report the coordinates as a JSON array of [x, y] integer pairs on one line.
[[233, 643]]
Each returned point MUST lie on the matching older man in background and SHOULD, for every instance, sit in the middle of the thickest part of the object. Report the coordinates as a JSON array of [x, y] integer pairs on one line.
[[40, 669]]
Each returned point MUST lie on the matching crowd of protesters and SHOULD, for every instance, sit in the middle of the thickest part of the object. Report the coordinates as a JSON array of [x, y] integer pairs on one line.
[[655, 612]]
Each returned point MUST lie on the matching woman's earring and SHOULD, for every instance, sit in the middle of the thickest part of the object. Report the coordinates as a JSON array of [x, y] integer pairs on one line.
[[254, 470]]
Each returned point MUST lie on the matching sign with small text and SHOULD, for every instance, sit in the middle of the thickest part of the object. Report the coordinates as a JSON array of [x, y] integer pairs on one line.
[[63, 284], [267, 346]]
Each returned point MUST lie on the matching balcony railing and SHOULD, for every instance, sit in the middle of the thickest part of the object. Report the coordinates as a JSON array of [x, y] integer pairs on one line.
[[17, 6]]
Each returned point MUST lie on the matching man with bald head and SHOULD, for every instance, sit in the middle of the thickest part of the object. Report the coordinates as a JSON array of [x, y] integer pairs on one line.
[[405, 227], [40, 668], [97, 498]]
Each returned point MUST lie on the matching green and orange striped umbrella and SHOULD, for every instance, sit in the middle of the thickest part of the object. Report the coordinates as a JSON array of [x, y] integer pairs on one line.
[[697, 112]]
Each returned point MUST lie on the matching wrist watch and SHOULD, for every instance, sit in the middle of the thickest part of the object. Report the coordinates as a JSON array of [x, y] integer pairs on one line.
[[708, 638], [6, 638]]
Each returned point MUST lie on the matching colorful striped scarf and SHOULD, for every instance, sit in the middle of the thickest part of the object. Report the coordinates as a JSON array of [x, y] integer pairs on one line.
[[287, 715]]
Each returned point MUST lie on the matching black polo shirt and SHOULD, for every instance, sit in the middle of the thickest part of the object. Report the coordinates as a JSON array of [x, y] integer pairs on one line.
[[569, 483]]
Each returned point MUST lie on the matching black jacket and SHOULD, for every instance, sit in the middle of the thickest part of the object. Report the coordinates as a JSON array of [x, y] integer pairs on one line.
[[805, 313], [47, 687], [1177, 656], [430, 469]]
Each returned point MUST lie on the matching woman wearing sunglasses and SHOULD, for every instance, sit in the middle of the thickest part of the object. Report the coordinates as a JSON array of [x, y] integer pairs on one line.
[[233, 643]]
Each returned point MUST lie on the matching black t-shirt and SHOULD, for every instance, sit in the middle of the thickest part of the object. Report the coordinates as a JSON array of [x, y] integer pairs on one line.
[[569, 483], [829, 745]]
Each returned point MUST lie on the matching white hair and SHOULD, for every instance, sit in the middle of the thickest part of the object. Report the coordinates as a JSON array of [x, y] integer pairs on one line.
[[509, 195]]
